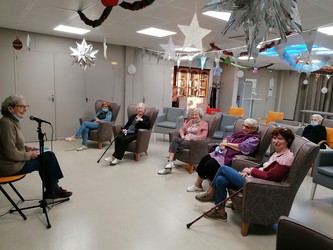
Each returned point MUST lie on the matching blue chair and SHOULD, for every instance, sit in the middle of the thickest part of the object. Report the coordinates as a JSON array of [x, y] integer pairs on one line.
[[225, 127]]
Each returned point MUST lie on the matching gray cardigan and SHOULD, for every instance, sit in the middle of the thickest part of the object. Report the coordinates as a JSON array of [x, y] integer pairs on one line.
[[13, 155]]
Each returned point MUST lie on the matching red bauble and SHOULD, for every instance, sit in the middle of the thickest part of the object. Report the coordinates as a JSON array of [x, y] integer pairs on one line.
[[109, 3], [17, 44]]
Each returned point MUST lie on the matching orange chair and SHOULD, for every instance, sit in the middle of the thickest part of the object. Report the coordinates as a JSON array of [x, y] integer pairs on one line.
[[272, 117], [236, 111], [9, 180]]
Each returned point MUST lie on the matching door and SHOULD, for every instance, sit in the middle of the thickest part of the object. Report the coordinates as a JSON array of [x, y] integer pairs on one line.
[[35, 81], [99, 84]]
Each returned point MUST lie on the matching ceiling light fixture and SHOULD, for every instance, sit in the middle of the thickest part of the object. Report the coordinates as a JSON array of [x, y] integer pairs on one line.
[[69, 29], [156, 32], [223, 15], [327, 30]]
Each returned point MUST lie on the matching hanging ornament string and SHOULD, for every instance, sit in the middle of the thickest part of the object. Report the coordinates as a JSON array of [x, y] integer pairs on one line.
[[137, 5]]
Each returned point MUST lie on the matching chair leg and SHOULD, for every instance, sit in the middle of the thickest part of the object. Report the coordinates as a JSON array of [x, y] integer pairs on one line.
[[137, 157], [313, 190], [13, 203], [100, 145], [191, 169], [17, 192], [245, 228], [312, 169]]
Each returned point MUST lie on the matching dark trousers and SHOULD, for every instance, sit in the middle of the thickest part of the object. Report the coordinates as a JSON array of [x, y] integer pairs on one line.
[[121, 143], [207, 167], [50, 172]]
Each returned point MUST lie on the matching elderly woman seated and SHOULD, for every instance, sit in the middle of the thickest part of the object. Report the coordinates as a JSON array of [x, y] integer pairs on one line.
[[245, 142], [194, 129], [315, 132]]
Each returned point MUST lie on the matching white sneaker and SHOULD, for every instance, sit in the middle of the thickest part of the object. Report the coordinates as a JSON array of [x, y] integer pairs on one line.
[[114, 162], [169, 165], [164, 171], [194, 188], [108, 159], [71, 138], [82, 148]]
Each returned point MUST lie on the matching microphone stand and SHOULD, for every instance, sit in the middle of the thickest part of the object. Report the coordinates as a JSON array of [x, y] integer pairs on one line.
[[43, 203]]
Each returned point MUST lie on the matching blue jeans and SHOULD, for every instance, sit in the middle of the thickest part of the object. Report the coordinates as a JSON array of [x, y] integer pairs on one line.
[[84, 130], [226, 177]]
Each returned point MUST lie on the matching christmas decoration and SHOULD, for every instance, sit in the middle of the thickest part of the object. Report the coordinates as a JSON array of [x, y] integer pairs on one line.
[[137, 5], [84, 55], [109, 3], [28, 42], [170, 50], [105, 47], [17, 44], [193, 33], [259, 18]]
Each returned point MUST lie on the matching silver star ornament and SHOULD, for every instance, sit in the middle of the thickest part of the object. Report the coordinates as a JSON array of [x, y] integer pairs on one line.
[[84, 55]]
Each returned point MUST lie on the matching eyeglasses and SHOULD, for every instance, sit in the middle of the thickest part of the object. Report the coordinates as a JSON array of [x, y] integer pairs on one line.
[[22, 106]]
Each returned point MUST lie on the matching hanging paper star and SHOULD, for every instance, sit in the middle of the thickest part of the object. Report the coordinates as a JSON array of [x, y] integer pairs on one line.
[[259, 18], [193, 33], [29, 42], [170, 50], [201, 61], [84, 55]]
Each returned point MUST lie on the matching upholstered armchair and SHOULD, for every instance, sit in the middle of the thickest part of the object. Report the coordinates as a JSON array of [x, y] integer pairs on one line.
[[294, 126], [104, 131], [141, 144], [263, 201], [265, 133], [198, 148], [172, 119], [292, 234], [323, 171], [225, 127]]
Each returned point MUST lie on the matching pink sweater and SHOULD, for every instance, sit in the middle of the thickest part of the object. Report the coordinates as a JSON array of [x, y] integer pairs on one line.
[[198, 132]]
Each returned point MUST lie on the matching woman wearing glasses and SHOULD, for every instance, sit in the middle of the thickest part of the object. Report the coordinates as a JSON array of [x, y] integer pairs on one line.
[[16, 158], [245, 142]]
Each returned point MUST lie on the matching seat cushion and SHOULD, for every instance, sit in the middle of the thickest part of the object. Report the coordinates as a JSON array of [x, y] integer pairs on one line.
[[167, 124], [326, 171]]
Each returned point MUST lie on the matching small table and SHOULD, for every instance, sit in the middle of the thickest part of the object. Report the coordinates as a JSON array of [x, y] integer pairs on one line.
[[304, 111]]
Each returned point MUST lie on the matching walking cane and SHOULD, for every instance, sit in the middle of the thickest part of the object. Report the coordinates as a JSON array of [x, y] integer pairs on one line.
[[228, 198], [108, 148]]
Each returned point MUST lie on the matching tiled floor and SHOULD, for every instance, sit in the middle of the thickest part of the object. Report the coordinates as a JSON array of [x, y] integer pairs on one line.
[[129, 206]]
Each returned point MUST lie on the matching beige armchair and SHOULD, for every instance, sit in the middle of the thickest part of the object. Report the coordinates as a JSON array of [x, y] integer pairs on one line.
[[141, 144], [263, 201], [104, 131], [198, 148]]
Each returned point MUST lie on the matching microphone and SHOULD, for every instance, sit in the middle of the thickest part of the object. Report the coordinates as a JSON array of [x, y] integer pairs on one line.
[[33, 118]]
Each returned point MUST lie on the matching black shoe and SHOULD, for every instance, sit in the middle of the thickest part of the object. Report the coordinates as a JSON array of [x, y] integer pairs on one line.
[[61, 193]]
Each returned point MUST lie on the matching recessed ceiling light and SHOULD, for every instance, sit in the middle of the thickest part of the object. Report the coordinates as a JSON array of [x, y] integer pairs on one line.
[[72, 30], [327, 30], [156, 32], [218, 14]]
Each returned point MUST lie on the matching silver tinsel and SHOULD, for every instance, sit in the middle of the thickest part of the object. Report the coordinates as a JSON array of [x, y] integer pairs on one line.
[[259, 18]]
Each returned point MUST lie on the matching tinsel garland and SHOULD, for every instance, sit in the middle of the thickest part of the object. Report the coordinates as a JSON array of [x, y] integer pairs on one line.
[[137, 5]]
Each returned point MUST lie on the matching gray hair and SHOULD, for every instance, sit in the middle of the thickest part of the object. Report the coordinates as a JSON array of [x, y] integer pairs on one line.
[[253, 123], [199, 111], [319, 117], [10, 101], [142, 105]]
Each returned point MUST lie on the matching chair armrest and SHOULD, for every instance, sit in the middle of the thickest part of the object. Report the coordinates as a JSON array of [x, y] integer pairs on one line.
[[116, 129], [198, 149], [239, 164], [84, 119], [105, 129], [229, 128]]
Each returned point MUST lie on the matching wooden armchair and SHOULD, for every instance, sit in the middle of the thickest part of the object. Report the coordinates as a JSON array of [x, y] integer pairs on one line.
[[263, 201], [104, 131]]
